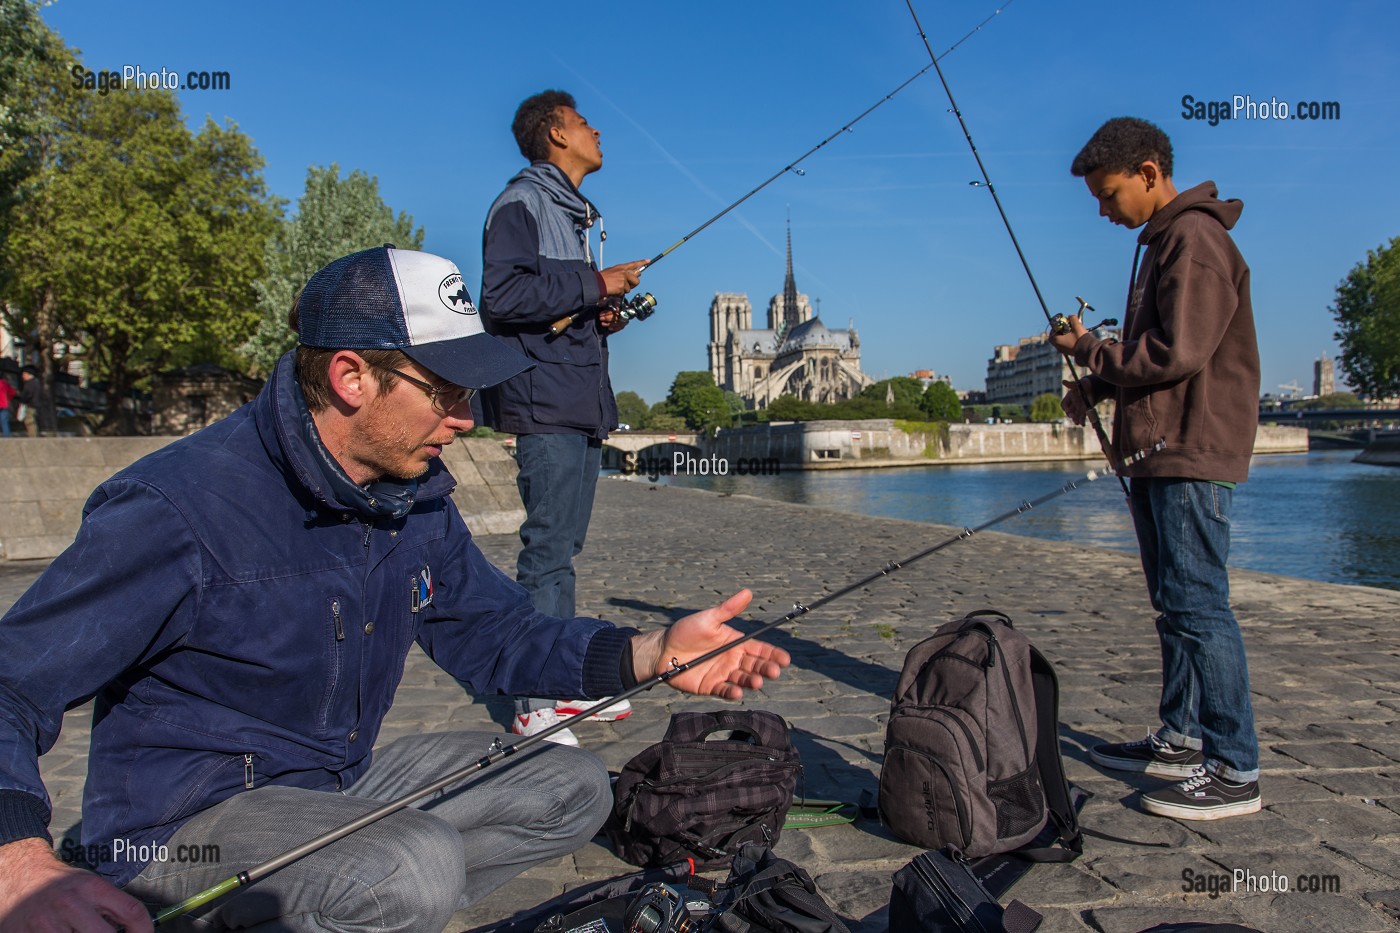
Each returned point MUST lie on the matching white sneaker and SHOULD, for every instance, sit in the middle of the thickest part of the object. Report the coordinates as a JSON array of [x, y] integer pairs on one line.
[[540, 720], [604, 710]]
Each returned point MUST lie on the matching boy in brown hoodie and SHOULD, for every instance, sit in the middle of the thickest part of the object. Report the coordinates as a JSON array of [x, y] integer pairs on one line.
[[1186, 373]]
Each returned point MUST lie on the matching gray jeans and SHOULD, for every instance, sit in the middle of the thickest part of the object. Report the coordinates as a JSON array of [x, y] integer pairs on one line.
[[408, 872]]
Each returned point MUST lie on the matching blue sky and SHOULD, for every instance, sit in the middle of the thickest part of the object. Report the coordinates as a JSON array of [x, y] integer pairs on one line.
[[699, 102]]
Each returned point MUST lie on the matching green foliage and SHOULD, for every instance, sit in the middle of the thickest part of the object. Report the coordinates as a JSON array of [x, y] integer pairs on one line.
[[1367, 310], [136, 240], [335, 217], [1046, 407], [941, 403], [791, 408], [631, 410], [697, 400], [998, 413], [36, 99], [737, 406], [660, 418], [907, 391], [1333, 402]]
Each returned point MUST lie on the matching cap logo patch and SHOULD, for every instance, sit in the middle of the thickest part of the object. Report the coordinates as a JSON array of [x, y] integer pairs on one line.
[[453, 295]]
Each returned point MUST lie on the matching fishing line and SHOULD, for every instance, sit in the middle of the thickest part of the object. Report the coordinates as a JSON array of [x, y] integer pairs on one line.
[[642, 306], [499, 751], [1056, 321]]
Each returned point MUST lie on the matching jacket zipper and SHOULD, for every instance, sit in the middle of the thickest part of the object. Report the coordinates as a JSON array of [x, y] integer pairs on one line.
[[248, 771], [339, 623]]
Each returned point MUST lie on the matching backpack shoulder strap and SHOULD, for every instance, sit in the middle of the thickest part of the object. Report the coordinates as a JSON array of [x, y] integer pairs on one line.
[[1059, 799]]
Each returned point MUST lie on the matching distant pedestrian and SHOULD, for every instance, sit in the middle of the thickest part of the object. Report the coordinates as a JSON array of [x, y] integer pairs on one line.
[[7, 396], [1186, 374], [31, 400]]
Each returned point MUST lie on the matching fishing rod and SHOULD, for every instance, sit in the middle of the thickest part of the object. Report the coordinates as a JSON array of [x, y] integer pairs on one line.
[[641, 306], [1058, 323], [499, 751]]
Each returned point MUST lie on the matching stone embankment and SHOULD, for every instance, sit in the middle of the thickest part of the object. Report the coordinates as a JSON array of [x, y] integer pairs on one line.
[[1324, 667]]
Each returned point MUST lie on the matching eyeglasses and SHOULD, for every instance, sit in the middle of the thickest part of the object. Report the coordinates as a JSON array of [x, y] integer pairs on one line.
[[445, 398]]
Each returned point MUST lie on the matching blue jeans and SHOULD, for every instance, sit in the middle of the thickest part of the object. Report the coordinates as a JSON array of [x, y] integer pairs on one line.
[[1183, 531], [557, 479], [4, 422], [408, 872]]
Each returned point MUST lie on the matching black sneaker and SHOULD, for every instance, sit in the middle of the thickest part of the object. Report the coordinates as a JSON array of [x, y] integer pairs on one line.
[[1204, 797], [1151, 756]]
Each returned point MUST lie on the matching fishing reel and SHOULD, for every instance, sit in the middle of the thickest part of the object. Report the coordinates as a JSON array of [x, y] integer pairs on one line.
[[638, 306], [659, 908], [1059, 324]]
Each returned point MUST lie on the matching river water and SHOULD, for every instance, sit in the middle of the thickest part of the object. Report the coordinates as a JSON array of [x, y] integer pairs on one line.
[[1317, 515]]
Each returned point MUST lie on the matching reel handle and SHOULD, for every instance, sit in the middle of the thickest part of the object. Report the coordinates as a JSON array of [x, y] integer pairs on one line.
[[638, 306], [561, 325], [1060, 324]]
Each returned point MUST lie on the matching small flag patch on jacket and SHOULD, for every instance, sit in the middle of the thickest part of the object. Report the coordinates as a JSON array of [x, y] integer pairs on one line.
[[422, 589]]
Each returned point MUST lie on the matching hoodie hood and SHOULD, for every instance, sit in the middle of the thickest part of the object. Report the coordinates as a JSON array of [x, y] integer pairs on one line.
[[560, 191], [1200, 198]]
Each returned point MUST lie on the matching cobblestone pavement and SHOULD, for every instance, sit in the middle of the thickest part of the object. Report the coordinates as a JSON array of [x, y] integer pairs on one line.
[[1325, 666]]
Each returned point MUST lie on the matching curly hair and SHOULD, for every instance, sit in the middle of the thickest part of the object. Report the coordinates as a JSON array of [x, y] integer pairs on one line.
[[1122, 145], [533, 120]]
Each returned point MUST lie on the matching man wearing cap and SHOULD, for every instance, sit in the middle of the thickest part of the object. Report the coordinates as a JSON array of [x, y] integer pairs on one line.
[[537, 268], [240, 604]]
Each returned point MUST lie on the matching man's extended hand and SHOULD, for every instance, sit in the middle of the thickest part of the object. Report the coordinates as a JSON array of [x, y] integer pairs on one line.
[[728, 675], [621, 279], [40, 894]]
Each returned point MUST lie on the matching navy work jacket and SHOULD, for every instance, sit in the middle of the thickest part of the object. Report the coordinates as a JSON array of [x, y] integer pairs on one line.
[[242, 621]]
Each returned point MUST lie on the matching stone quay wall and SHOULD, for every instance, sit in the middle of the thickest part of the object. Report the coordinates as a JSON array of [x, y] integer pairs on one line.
[[828, 445], [45, 481]]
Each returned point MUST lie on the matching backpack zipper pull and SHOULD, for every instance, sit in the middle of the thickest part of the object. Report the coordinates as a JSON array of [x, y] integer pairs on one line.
[[991, 651]]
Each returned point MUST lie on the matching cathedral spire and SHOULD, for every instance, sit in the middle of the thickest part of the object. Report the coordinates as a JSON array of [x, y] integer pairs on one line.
[[790, 314]]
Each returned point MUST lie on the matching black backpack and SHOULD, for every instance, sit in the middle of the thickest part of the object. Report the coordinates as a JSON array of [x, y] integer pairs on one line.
[[972, 755], [714, 782], [763, 894]]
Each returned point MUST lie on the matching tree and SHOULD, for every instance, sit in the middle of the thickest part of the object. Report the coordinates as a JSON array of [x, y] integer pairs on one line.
[[791, 408], [631, 410], [335, 217], [1333, 402], [661, 418], [737, 405], [35, 99], [907, 391], [695, 398], [1367, 310], [941, 403], [138, 241], [1046, 408]]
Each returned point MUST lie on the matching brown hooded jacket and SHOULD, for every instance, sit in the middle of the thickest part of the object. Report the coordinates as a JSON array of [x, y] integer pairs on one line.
[[1187, 369]]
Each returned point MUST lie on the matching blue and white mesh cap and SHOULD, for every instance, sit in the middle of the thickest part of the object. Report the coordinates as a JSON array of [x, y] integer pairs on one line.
[[399, 299]]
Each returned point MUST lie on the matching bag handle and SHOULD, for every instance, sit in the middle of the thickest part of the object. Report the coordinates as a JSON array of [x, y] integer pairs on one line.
[[993, 613]]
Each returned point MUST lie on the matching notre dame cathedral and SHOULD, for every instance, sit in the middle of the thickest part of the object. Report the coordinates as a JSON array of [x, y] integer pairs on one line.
[[796, 355]]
